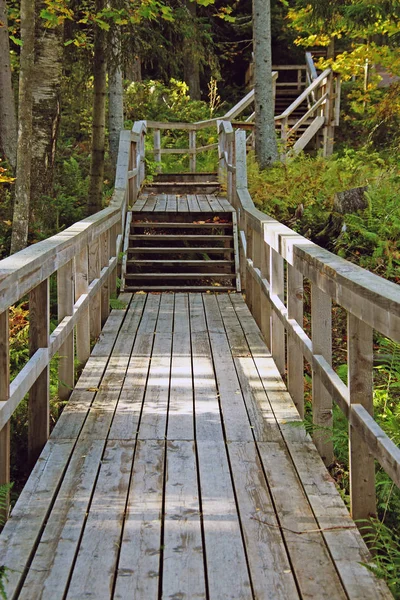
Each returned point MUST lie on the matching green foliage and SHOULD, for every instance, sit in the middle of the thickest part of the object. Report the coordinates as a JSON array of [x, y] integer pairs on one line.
[[386, 549]]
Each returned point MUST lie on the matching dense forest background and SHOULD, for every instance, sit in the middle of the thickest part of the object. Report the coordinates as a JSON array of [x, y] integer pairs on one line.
[[72, 74]]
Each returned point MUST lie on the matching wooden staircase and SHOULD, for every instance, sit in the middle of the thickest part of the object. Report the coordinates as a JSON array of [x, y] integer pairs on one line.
[[182, 237]]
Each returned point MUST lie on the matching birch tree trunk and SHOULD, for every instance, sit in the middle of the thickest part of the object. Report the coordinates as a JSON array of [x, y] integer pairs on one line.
[[45, 108], [8, 120], [19, 236], [191, 66], [95, 195], [265, 137], [115, 98]]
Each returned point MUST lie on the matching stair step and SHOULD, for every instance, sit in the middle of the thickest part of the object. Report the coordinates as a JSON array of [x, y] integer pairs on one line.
[[167, 225], [183, 177], [184, 187], [162, 250], [178, 275], [189, 263], [187, 237], [179, 288]]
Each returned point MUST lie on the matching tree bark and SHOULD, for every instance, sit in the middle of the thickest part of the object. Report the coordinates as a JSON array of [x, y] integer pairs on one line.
[[265, 137], [19, 236], [8, 120], [115, 99], [191, 64], [95, 195], [45, 108]]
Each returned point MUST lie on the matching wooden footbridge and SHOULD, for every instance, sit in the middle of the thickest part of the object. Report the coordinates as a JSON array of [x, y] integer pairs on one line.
[[179, 468]]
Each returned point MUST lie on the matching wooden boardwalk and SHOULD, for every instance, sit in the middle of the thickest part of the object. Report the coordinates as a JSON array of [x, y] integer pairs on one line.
[[181, 203], [175, 472]]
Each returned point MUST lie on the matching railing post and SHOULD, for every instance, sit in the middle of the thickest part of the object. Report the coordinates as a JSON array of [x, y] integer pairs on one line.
[[249, 276], [81, 287], [329, 116], [277, 275], [4, 396], [133, 181], [295, 360], [65, 306], [192, 150], [265, 305], [142, 153], [39, 396], [157, 149], [360, 381], [104, 261], [95, 304], [112, 253], [284, 130], [321, 333], [256, 252]]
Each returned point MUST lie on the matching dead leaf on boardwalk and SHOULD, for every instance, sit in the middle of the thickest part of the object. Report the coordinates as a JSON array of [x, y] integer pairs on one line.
[[93, 389]]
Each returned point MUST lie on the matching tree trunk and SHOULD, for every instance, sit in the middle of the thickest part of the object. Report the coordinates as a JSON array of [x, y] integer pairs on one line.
[[191, 65], [99, 117], [46, 109], [115, 99], [19, 236], [8, 120], [265, 137]]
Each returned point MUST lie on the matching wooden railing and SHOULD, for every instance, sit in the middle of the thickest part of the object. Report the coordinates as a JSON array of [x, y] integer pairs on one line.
[[274, 260], [84, 260]]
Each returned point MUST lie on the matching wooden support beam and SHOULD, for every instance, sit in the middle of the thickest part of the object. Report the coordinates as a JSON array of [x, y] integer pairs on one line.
[[65, 306], [39, 394], [321, 333], [192, 151], [81, 287], [360, 381], [256, 252], [105, 290], [249, 278], [295, 361], [113, 252], [265, 305], [157, 149], [4, 395]]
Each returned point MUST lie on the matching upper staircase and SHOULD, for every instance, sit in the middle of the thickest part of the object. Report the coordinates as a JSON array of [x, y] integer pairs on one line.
[[182, 237]]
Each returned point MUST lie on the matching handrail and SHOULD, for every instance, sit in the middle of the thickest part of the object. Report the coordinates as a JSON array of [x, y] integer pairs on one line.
[[370, 301], [303, 96], [84, 257], [310, 66]]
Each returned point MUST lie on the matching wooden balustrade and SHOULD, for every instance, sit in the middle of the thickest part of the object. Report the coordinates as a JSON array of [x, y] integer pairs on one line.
[[84, 258], [371, 303]]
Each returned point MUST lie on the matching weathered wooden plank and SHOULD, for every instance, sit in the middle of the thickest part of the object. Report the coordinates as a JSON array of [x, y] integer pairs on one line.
[[235, 418], [171, 203], [316, 576], [295, 360], [277, 329], [95, 305], [224, 203], [341, 535], [104, 404], [180, 409], [139, 561], [96, 562], [51, 566], [222, 534], [183, 205], [105, 255], [161, 203], [75, 412], [154, 414], [22, 530], [39, 394], [193, 203], [150, 204], [214, 203], [203, 203], [269, 565], [182, 559], [362, 465]]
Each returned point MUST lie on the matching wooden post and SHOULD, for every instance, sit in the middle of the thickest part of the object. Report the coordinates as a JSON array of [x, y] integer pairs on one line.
[[299, 77], [113, 251], [39, 394], [95, 303], [133, 182], [284, 130], [277, 275], [249, 277], [362, 466], [104, 261], [65, 306], [265, 305], [141, 149], [321, 333], [4, 395], [295, 361], [256, 287], [329, 116], [157, 149], [192, 150], [81, 287]]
